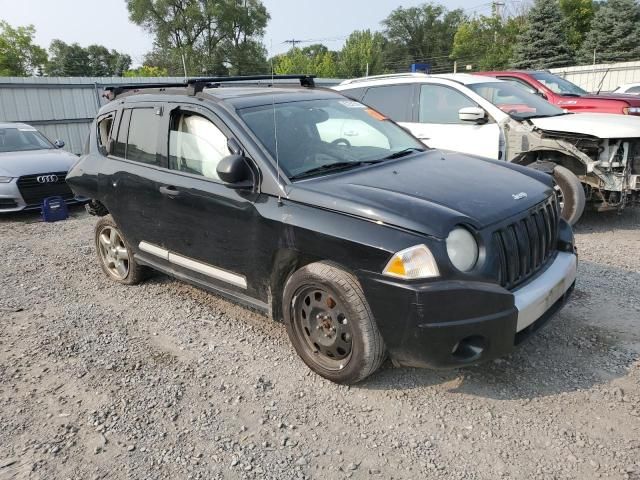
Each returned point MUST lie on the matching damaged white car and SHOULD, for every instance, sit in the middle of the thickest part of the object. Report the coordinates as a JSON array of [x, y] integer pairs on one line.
[[496, 119]]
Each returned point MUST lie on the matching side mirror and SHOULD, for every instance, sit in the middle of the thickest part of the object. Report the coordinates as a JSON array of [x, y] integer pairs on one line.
[[235, 172], [540, 94], [59, 143], [472, 114]]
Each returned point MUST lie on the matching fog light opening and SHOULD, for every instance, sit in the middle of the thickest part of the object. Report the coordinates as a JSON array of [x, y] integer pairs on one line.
[[470, 348]]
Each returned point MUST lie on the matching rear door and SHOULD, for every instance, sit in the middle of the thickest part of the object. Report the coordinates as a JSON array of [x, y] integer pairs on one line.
[[439, 126], [132, 194]]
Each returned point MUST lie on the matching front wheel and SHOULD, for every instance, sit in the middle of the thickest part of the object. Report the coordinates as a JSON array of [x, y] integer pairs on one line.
[[570, 194], [330, 324]]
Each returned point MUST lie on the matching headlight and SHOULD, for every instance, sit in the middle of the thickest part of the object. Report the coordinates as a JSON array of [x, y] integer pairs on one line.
[[631, 110], [5, 179], [414, 262], [462, 249]]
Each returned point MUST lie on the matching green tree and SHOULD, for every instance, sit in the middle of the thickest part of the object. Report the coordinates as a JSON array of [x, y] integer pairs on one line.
[[423, 33], [19, 56], [362, 52], [486, 42], [146, 71], [312, 60], [206, 36], [614, 34], [94, 61], [579, 14], [543, 43]]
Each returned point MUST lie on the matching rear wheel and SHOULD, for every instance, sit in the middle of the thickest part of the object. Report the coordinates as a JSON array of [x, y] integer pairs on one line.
[[114, 254], [570, 194], [330, 324]]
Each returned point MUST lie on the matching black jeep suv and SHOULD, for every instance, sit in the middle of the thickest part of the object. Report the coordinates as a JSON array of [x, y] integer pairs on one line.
[[320, 211]]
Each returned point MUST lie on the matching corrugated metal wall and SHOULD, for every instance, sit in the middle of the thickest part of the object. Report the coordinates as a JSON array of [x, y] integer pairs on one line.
[[604, 77], [63, 107]]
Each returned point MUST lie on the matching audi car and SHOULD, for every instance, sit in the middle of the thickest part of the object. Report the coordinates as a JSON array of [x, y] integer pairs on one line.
[[32, 168]]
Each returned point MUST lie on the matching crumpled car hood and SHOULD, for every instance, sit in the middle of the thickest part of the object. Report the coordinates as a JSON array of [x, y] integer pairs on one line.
[[601, 125]]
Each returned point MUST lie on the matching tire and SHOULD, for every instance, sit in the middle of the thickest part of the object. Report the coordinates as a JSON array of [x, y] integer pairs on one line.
[[571, 193], [115, 255], [330, 324]]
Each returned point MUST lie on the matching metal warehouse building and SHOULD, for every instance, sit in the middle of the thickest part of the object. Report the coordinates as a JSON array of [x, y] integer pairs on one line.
[[63, 107]]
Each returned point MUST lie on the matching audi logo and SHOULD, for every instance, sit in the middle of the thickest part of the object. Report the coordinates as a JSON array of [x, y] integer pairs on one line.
[[47, 179]]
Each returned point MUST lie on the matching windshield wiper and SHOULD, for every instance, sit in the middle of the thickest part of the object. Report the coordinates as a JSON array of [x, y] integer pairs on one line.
[[332, 167], [403, 153], [567, 94]]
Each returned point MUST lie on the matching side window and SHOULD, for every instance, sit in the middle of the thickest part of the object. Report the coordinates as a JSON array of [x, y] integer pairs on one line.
[[520, 83], [104, 125], [120, 145], [196, 145], [634, 90], [440, 104], [355, 93], [142, 141], [395, 101]]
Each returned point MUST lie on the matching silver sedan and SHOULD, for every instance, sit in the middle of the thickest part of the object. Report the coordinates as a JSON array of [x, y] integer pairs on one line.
[[31, 168]]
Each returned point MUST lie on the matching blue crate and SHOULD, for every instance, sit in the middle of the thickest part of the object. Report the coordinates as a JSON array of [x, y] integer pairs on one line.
[[54, 209]]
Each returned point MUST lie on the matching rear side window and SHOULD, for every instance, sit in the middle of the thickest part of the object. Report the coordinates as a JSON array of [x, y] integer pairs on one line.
[[395, 101], [142, 142], [120, 145], [138, 136], [634, 90]]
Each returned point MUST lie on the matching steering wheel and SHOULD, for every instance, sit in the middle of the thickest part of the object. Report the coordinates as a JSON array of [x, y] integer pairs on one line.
[[341, 141]]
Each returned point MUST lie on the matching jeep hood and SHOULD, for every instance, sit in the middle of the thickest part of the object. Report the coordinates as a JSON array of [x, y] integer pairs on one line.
[[429, 192], [601, 125], [16, 164]]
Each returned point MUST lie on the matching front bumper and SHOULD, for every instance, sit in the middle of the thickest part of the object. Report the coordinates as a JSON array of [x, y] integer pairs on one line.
[[11, 199], [449, 324]]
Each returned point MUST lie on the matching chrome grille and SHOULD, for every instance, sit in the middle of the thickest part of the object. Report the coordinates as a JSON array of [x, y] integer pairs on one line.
[[525, 246]]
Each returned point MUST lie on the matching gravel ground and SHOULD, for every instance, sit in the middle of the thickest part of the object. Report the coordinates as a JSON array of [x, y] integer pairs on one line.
[[163, 380]]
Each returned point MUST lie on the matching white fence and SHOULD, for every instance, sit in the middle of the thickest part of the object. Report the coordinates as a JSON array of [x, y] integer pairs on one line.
[[604, 77]]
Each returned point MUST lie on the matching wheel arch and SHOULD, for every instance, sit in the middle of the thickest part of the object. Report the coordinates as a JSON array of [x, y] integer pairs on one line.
[[546, 159]]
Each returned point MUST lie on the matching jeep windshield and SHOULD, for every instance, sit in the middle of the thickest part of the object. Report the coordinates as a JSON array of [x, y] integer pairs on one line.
[[558, 84], [22, 139], [515, 100], [317, 137]]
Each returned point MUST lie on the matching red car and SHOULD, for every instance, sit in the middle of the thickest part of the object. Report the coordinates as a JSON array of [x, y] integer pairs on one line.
[[566, 95]]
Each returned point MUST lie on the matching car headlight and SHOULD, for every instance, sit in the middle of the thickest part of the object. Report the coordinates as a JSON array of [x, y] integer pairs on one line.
[[412, 263], [5, 179], [462, 249], [631, 110]]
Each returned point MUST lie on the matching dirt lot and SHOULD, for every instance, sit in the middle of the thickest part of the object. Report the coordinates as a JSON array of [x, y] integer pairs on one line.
[[163, 380]]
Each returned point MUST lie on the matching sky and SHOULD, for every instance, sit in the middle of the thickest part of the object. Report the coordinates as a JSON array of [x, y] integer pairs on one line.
[[106, 22]]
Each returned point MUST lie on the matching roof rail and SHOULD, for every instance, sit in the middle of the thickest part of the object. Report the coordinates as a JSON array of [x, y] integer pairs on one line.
[[388, 75], [198, 84]]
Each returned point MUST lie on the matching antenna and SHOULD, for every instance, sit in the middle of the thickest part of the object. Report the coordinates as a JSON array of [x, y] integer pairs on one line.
[[275, 131]]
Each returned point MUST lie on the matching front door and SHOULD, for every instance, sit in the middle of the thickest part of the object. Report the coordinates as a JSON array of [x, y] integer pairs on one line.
[[439, 125], [212, 233]]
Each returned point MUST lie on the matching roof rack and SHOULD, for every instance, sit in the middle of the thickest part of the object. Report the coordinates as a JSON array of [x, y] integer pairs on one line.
[[388, 75], [198, 84]]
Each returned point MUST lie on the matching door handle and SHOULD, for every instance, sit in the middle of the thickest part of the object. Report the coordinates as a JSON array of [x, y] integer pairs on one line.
[[169, 190]]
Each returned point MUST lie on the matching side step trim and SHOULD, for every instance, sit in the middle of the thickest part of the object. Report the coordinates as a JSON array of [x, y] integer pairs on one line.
[[194, 265]]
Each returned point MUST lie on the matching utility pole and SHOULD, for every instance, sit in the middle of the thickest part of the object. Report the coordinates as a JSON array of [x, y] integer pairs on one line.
[[293, 42]]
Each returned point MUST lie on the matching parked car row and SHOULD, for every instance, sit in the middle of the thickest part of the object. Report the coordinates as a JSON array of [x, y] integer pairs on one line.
[[498, 119]]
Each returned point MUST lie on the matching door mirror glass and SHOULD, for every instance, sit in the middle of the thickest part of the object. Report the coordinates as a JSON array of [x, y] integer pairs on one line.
[[472, 114], [234, 170], [59, 143], [540, 94]]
